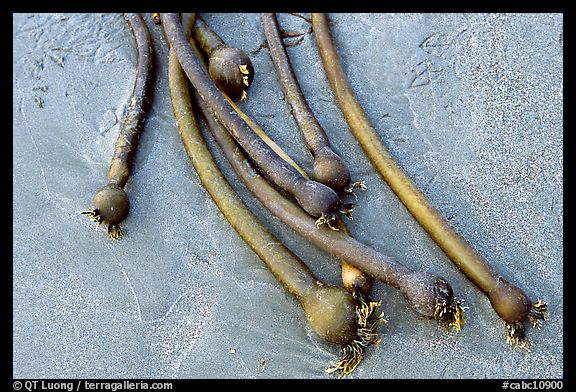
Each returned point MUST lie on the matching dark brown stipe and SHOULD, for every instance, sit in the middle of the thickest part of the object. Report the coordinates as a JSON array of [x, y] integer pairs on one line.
[[316, 198], [354, 280], [367, 319], [329, 167]]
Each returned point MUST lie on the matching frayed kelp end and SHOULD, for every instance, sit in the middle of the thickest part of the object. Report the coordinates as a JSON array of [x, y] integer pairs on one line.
[[115, 232], [538, 314], [448, 310], [368, 320], [327, 219], [330, 217], [94, 215], [516, 336], [245, 79], [450, 314], [516, 332], [355, 185], [347, 209]]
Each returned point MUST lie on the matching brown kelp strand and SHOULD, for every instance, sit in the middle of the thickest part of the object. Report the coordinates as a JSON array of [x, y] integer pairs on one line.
[[317, 199], [355, 281], [367, 318], [509, 301], [229, 67], [428, 294], [329, 167], [330, 311], [111, 204]]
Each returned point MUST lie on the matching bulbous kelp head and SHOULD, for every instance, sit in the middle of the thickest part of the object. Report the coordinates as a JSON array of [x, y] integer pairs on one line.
[[515, 308], [433, 297], [111, 203], [355, 281], [330, 169], [317, 199], [331, 313], [510, 302], [231, 69]]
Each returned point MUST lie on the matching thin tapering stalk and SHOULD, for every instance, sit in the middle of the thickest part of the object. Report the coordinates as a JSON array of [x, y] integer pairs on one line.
[[120, 166], [329, 167]]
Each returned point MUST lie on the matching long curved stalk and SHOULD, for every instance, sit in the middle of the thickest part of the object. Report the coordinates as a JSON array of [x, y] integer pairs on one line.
[[509, 301], [331, 311], [354, 280], [316, 198], [428, 294]]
